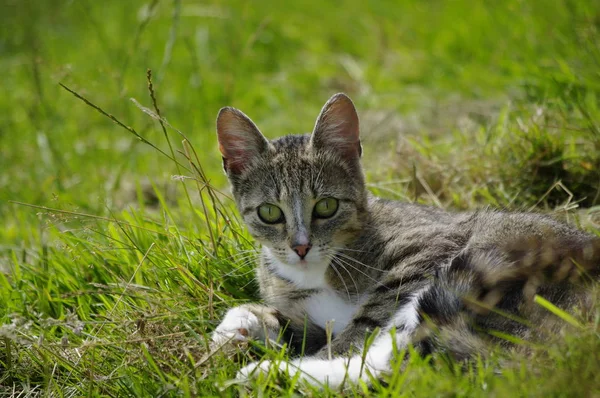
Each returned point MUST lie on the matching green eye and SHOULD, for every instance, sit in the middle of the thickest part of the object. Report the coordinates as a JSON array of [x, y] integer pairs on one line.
[[270, 214], [326, 208]]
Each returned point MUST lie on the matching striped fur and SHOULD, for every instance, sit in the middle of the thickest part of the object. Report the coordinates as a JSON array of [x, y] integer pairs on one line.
[[414, 274]]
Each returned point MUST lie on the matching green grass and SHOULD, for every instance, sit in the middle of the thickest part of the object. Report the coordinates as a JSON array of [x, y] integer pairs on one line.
[[111, 283]]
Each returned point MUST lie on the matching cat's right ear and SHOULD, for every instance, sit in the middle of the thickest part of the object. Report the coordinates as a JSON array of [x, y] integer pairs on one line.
[[337, 128], [240, 141]]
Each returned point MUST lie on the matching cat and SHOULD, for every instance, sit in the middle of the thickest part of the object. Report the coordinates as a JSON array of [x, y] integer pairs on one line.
[[338, 264]]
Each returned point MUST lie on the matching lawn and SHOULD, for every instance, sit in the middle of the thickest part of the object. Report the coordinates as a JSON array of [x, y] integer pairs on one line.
[[120, 248]]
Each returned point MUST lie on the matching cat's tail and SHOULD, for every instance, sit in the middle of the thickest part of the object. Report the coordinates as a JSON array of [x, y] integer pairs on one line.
[[493, 289], [530, 264]]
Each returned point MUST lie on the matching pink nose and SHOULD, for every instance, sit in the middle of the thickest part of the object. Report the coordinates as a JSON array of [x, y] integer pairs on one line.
[[302, 250]]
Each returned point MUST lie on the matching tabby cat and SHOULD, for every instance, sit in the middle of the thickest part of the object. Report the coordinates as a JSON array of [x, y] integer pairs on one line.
[[339, 264]]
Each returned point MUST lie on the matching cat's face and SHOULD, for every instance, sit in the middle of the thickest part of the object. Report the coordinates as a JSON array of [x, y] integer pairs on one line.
[[301, 196]]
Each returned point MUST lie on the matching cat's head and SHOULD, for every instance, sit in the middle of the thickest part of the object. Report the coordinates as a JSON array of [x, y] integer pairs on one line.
[[301, 196]]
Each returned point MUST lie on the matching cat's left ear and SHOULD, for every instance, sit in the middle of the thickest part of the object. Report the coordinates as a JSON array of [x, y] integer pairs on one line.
[[337, 128], [240, 141]]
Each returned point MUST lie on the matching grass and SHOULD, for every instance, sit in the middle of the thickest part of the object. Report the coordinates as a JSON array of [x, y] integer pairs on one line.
[[116, 262]]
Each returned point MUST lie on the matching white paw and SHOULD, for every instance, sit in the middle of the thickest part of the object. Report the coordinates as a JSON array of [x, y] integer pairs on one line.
[[314, 371], [253, 370], [238, 326]]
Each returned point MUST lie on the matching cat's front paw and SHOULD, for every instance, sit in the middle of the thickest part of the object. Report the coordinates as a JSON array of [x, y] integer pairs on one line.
[[238, 326], [312, 371], [253, 370]]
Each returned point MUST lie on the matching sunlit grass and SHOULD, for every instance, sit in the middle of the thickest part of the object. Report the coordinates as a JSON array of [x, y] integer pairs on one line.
[[116, 262]]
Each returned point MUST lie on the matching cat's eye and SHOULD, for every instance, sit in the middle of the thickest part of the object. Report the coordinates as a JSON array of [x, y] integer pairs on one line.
[[270, 214], [326, 208]]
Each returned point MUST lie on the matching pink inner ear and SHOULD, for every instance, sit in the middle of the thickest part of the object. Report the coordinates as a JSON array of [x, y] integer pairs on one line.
[[236, 157], [342, 120], [337, 127], [239, 139]]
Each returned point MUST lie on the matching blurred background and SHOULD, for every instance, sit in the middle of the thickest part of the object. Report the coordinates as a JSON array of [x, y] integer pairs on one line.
[[463, 103], [114, 272]]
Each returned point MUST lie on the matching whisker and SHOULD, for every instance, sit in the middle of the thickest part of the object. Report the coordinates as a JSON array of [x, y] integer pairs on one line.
[[246, 285], [243, 264], [234, 272], [244, 273], [242, 252], [361, 263], [348, 249], [351, 277], [365, 274], [244, 258], [341, 279]]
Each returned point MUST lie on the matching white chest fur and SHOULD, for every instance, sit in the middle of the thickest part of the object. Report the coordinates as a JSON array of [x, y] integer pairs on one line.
[[324, 306], [327, 306]]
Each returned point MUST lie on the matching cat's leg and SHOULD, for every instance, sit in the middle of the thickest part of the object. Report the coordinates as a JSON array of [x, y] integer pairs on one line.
[[332, 372], [396, 332], [265, 323], [391, 303], [248, 321]]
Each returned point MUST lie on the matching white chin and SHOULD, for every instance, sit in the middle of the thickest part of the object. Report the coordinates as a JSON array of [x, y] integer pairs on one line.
[[306, 274]]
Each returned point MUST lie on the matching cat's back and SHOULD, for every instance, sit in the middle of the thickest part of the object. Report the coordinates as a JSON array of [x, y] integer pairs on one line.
[[398, 230], [392, 218], [385, 211]]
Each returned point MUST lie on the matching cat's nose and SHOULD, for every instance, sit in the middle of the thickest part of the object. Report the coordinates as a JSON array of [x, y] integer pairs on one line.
[[302, 250]]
